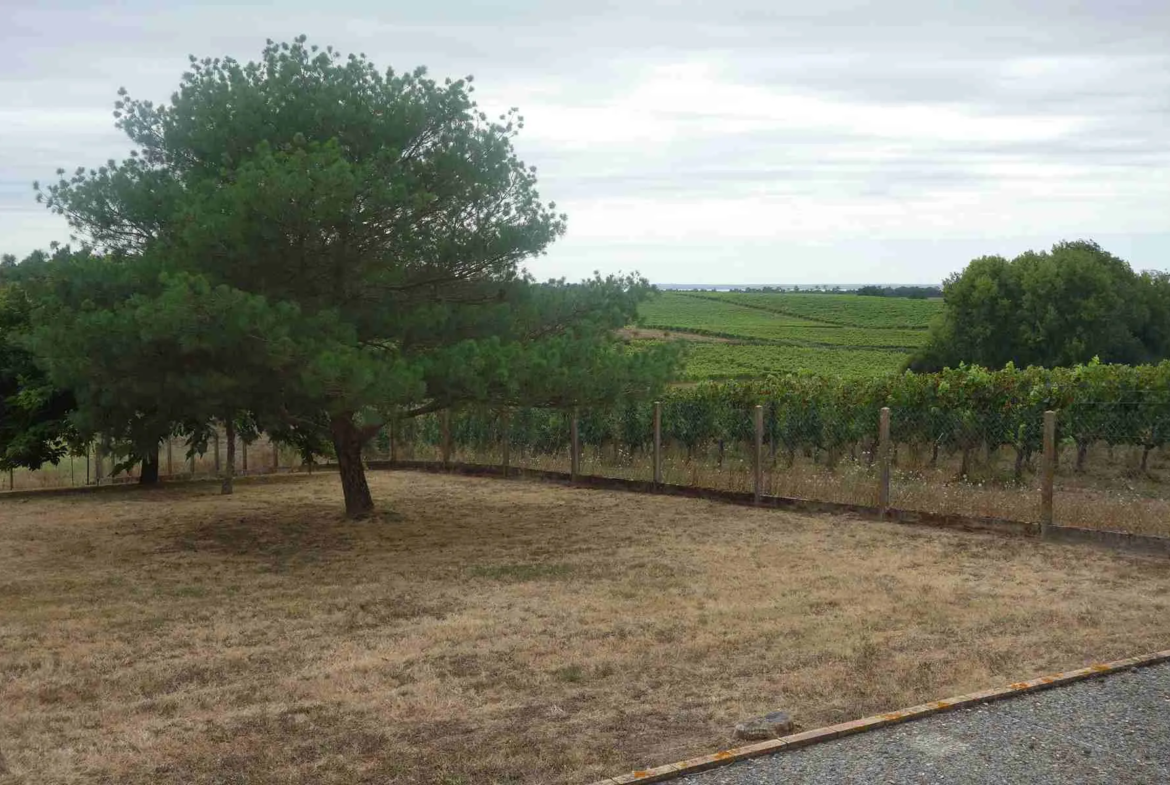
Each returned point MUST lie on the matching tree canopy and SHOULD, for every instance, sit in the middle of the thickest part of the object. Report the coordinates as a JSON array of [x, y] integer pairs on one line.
[[1050, 308], [35, 424], [325, 246]]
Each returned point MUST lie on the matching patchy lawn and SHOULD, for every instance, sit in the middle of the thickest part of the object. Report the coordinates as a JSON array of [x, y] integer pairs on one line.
[[499, 632]]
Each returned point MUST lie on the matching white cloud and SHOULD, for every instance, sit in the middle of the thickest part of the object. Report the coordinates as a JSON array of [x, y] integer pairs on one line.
[[744, 140]]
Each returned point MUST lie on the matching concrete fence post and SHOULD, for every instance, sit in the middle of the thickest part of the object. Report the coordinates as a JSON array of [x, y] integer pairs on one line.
[[884, 461], [1048, 476], [758, 454], [657, 443], [575, 445], [505, 434]]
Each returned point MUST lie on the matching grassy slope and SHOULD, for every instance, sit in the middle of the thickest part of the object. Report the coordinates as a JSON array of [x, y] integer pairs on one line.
[[844, 335]]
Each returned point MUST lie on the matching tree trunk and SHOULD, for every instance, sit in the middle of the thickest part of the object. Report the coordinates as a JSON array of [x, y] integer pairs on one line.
[[149, 473], [229, 475], [347, 442]]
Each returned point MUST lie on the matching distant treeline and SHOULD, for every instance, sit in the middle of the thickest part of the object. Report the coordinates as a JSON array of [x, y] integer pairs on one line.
[[913, 292]]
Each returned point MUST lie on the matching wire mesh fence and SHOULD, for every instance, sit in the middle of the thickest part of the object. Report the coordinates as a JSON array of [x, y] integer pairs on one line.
[[93, 466], [967, 462], [1111, 467], [1110, 461]]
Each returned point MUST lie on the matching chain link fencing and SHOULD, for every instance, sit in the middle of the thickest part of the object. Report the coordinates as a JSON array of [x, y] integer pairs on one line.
[[1112, 467], [1111, 460], [93, 466]]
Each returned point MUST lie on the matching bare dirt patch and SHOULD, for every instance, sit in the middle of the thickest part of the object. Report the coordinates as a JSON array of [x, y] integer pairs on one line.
[[499, 632], [646, 334]]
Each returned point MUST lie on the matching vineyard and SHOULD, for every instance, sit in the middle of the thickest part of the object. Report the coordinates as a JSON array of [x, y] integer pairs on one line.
[[761, 334], [965, 441], [843, 309]]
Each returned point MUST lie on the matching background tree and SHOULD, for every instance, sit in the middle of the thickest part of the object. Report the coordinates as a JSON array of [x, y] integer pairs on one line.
[[380, 219], [35, 425], [1049, 308]]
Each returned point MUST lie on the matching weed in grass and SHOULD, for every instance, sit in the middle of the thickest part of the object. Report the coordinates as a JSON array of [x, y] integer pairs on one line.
[[573, 674]]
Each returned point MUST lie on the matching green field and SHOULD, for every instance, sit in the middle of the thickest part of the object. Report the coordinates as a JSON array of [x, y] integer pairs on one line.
[[838, 334], [848, 310]]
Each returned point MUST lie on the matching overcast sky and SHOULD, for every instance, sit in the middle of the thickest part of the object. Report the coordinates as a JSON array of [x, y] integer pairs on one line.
[[739, 141]]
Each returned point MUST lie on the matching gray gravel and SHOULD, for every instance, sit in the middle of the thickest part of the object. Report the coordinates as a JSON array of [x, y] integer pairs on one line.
[[1114, 729]]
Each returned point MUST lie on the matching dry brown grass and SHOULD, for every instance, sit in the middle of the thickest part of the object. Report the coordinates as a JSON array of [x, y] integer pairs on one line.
[[499, 632], [1111, 493]]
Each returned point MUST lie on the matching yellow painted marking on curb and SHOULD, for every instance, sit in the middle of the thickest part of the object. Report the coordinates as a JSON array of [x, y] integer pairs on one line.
[[831, 732]]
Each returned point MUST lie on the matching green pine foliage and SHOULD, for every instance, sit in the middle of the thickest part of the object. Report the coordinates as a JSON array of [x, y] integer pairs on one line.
[[321, 246]]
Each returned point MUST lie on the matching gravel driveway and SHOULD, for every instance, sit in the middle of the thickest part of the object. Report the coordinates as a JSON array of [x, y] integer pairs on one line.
[[1114, 729]]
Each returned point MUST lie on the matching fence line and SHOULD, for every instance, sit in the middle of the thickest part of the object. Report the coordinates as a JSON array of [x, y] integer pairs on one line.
[[1049, 469], [90, 467], [1095, 465]]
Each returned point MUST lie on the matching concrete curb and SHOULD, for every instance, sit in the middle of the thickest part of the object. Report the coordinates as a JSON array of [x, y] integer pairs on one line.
[[807, 738]]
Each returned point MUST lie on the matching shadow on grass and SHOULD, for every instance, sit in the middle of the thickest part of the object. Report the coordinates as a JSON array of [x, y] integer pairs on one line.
[[316, 532]]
